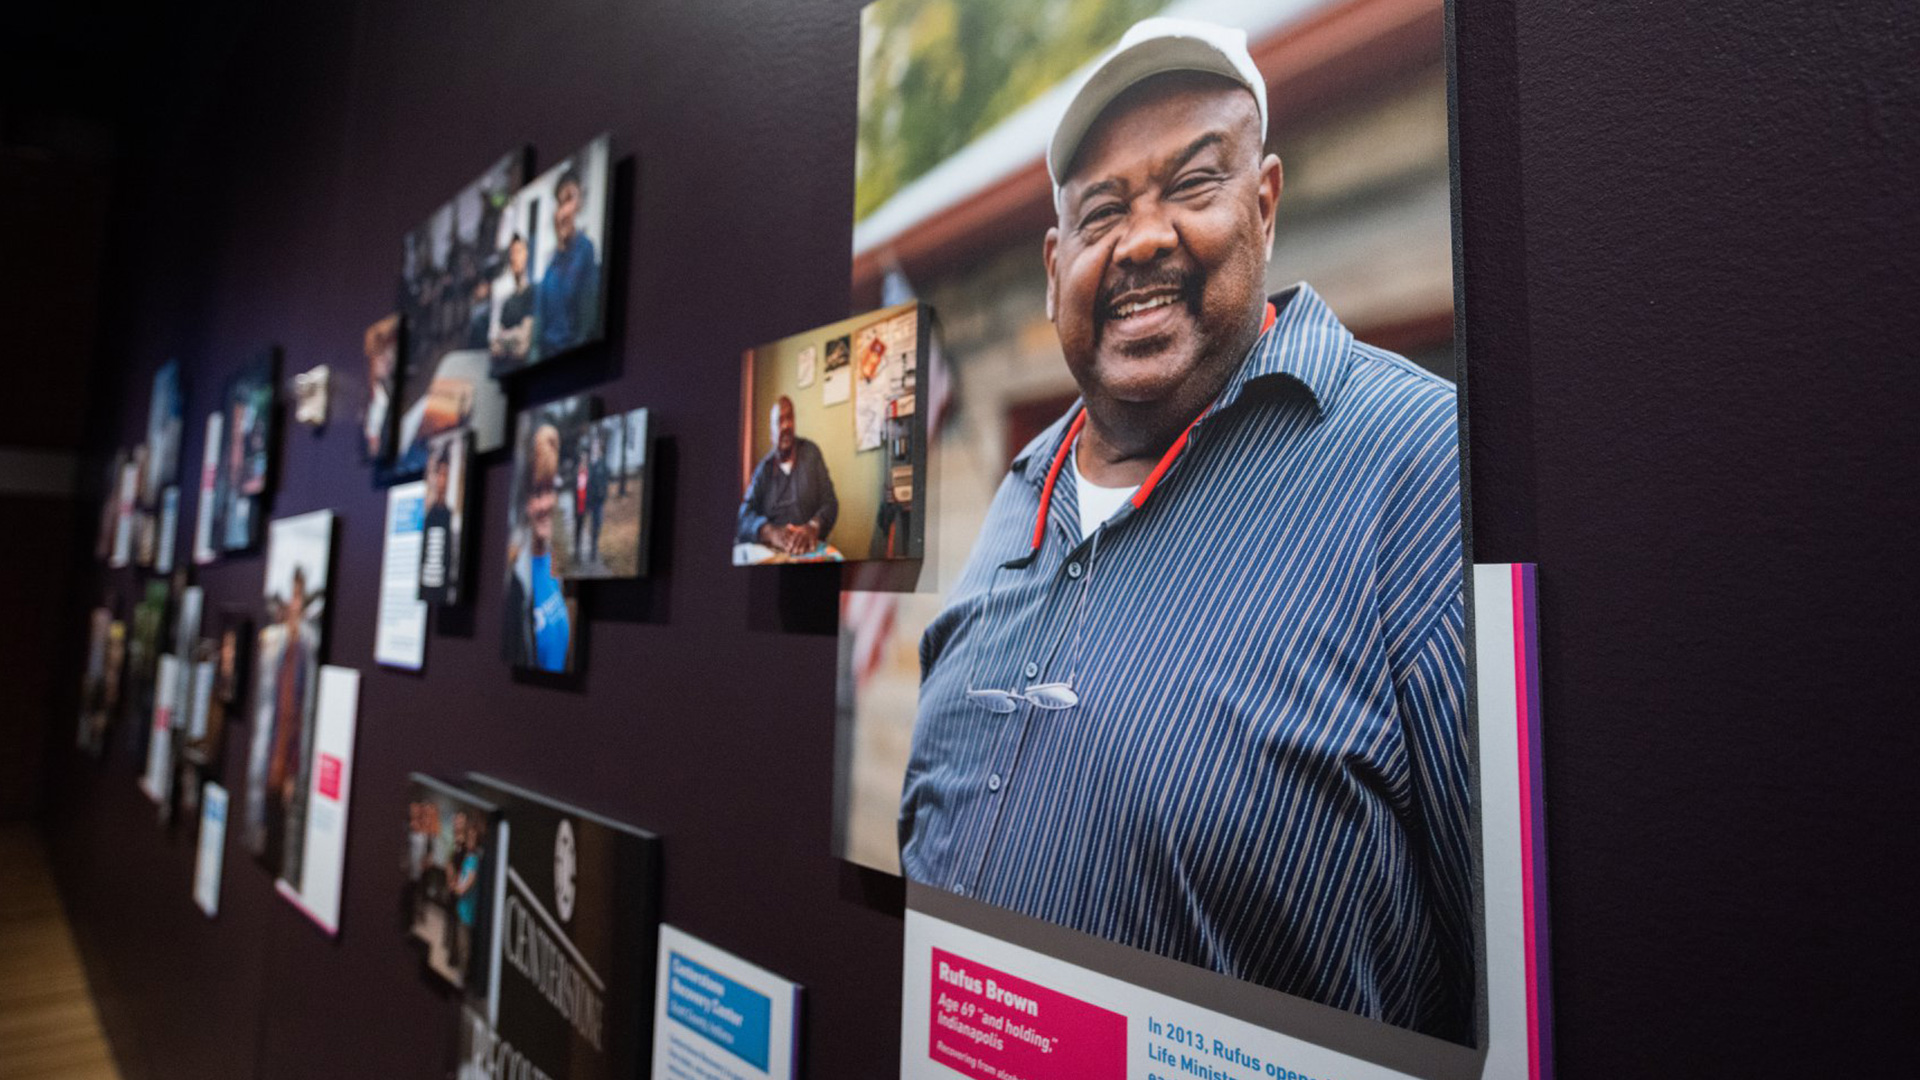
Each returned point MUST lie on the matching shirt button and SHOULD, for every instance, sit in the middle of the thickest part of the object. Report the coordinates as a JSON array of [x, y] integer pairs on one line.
[[1074, 570], [993, 782], [1033, 670]]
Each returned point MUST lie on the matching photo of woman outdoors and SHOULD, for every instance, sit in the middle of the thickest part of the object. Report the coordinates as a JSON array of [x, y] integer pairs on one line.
[[605, 533]]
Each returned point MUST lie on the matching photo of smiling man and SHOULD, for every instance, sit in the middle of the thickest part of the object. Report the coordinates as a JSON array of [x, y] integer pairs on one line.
[[1201, 686]]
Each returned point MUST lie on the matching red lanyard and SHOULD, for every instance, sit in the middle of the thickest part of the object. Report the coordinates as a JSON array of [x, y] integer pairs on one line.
[[1139, 498]]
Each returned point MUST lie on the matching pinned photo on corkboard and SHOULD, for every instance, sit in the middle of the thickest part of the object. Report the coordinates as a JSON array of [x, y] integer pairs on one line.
[[540, 619], [837, 387], [549, 295], [819, 484], [448, 266], [604, 513]]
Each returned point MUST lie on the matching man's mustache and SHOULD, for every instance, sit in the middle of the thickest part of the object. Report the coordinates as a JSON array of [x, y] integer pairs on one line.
[[1188, 282]]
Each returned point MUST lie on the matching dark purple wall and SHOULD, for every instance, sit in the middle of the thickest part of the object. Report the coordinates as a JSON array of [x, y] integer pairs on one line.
[[53, 203], [1691, 311], [1692, 315]]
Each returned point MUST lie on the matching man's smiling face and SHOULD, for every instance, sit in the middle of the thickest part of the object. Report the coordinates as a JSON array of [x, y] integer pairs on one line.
[[1155, 272]]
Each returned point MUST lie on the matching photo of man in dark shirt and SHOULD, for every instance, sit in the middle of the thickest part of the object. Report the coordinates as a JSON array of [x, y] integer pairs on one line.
[[512, 344], [440, 527], [790, 505]]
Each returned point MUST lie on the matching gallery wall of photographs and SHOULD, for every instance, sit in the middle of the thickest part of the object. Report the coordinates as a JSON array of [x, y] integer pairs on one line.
[[456, 533], [501, 284]]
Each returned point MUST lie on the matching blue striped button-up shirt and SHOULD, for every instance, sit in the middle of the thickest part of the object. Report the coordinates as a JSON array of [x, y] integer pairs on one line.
[[1267, 770]]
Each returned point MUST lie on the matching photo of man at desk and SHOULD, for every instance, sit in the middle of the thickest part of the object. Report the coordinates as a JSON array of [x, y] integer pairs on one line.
[[1201, 688], [790, 507], [828, 476]]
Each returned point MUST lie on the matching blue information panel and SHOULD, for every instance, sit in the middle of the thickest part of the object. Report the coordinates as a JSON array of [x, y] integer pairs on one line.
[[723, 1010], [718, 1017]]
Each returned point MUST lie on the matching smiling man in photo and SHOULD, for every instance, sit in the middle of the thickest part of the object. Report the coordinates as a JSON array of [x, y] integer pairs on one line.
[[790, 506], [1201, 688]]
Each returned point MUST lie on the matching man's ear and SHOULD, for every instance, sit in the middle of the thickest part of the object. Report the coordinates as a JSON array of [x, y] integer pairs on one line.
[[1047, 252], [1272, 179]]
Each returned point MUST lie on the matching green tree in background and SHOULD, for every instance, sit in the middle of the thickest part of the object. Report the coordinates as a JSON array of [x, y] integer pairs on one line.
[[936, 74]]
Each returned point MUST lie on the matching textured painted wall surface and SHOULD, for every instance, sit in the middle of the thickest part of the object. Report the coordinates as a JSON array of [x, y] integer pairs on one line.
[[1691, 329], [1691, 326]]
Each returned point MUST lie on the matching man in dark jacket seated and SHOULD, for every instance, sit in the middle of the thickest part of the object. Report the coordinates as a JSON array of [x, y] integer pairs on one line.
[[790, 505]]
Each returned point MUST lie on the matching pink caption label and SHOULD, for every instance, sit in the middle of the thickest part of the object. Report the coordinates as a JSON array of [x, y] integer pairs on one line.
[[328, 780], [995, 1026]]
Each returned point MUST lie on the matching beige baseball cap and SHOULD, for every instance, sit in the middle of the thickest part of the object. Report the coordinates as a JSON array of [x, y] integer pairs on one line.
[[1152, 47]]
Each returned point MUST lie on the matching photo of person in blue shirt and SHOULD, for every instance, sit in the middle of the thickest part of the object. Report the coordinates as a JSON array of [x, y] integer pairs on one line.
[[566, 304], [1201, 689], [537, 628], [451, 870]]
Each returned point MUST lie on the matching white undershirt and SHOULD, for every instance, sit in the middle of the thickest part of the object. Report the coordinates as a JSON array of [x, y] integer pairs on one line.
[[1097, 503]]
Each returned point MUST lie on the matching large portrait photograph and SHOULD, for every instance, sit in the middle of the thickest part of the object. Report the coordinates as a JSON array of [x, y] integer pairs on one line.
[[286, 670], [549, 291], [835, 472], [1185, 668], [447, 270], [540, 618]]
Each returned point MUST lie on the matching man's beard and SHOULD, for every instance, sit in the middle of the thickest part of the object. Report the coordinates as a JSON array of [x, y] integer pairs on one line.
[[1190, 283]]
